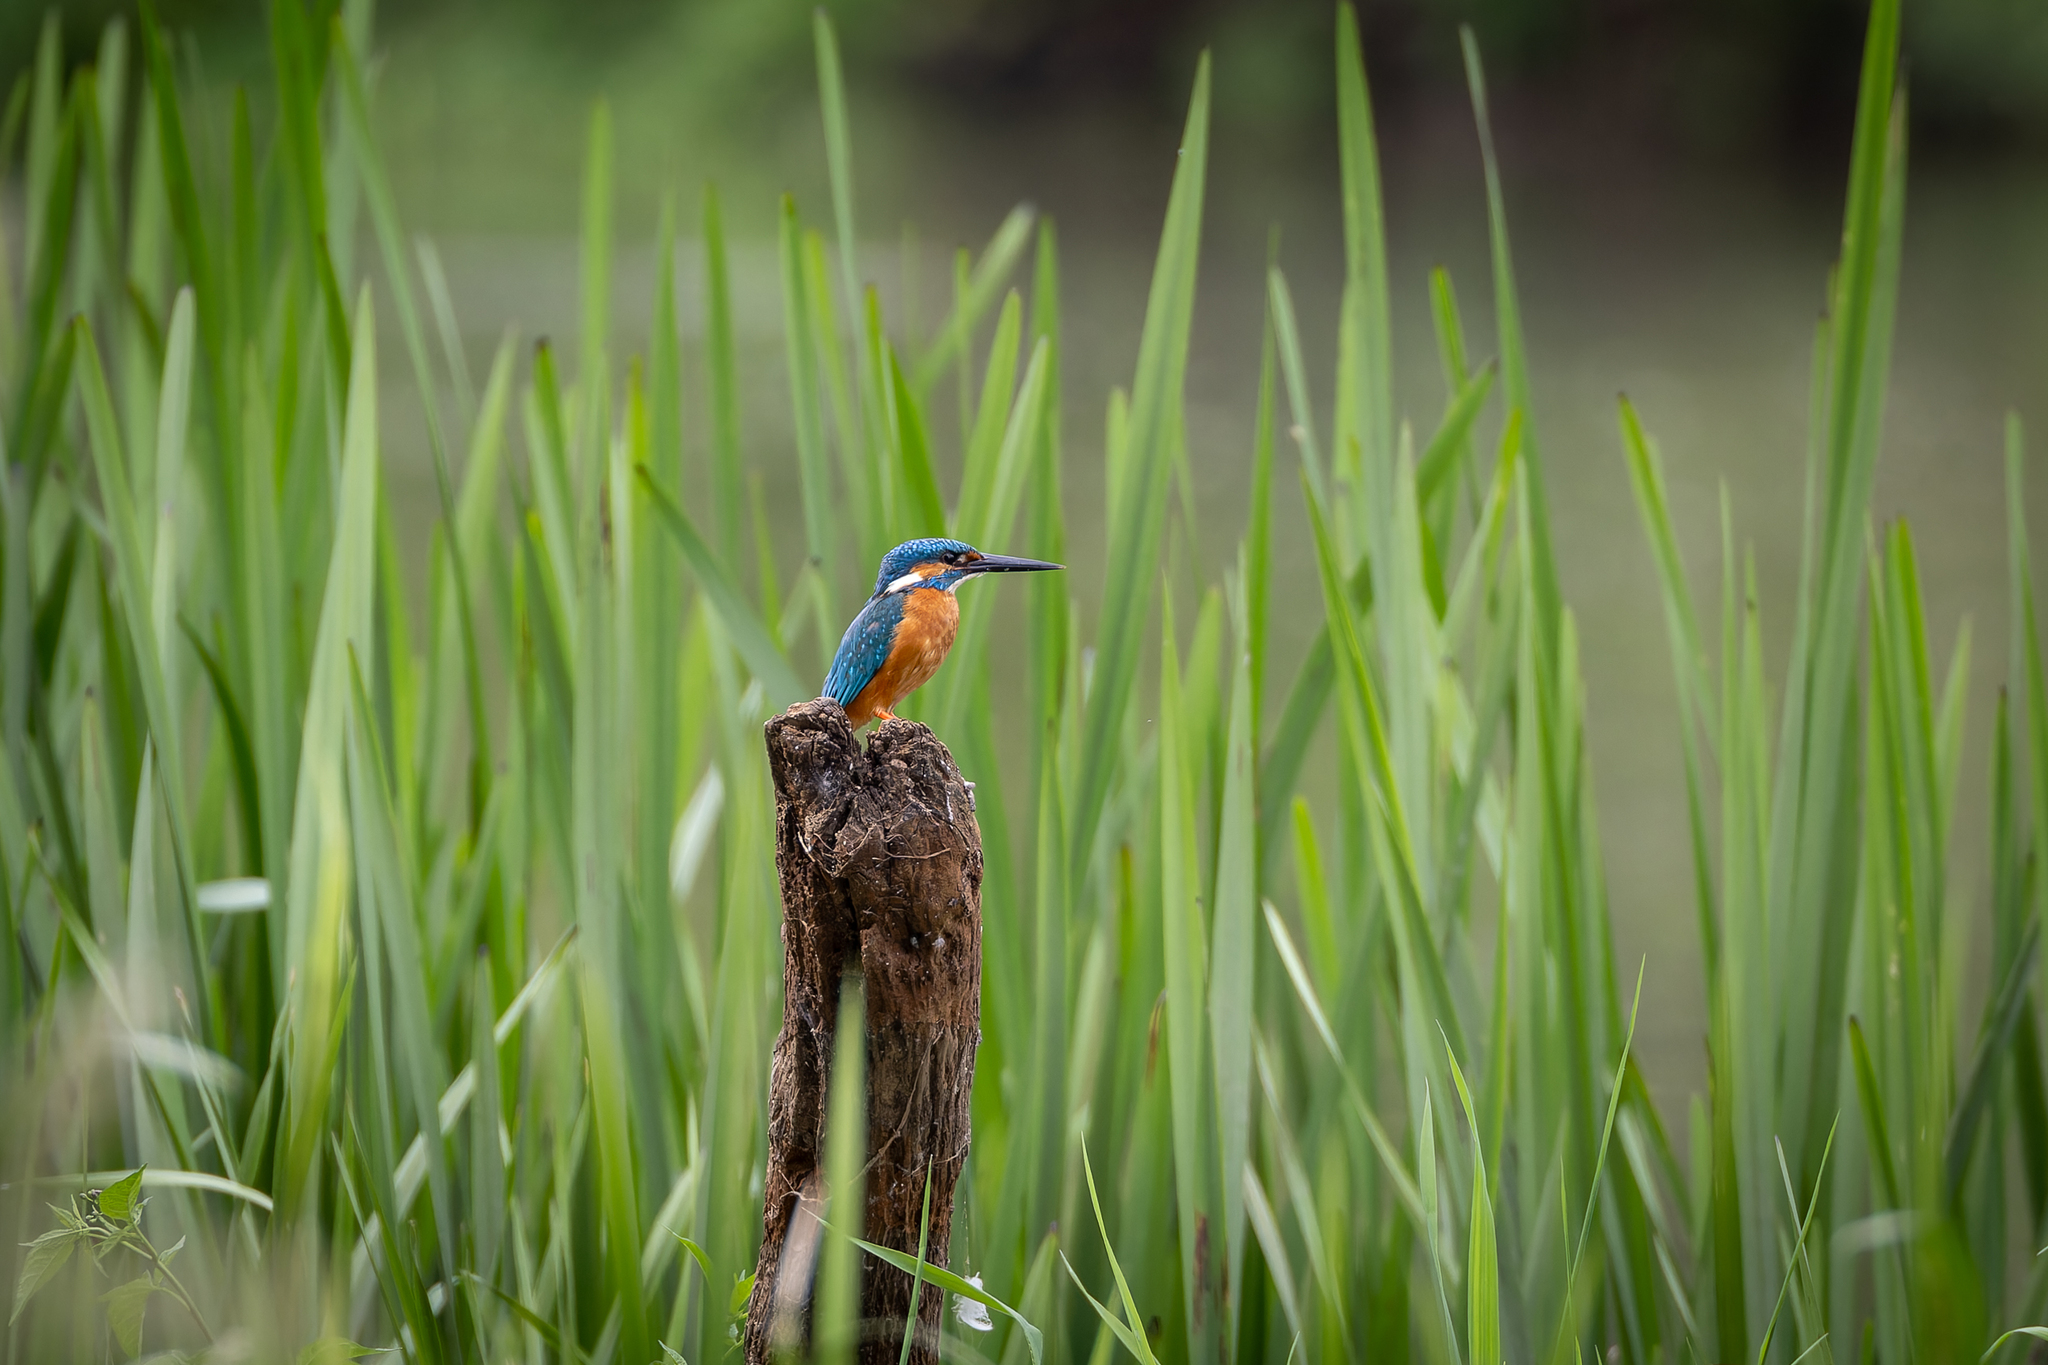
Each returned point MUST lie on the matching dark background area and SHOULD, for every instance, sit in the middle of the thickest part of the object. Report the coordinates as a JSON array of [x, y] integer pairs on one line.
[[1708, 78]]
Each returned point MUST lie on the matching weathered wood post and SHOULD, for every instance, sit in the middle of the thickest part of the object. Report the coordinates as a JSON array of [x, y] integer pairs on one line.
[[880, 863]]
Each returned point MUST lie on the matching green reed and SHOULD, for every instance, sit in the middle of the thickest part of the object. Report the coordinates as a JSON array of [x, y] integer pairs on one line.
[[413, 930]]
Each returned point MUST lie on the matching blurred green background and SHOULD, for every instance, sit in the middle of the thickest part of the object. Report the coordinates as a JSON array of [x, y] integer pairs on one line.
[[1674, 172]]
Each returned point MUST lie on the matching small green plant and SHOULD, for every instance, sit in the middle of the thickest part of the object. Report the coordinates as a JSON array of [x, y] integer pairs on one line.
[[99, 1225]]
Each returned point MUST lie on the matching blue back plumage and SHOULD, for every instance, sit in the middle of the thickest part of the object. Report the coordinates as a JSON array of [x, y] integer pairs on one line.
[[865, 647], [912, 553]]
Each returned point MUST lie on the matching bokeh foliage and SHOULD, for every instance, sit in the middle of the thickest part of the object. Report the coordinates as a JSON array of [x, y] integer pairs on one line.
[[406, 912]]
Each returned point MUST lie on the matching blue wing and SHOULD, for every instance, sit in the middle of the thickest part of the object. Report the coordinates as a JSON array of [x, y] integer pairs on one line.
[[864, 648]]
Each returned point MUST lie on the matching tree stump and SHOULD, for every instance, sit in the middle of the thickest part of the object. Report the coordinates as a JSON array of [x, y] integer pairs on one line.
[[879, 859]]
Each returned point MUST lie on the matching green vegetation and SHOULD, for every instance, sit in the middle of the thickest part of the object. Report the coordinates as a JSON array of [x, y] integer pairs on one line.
[[405, 917]]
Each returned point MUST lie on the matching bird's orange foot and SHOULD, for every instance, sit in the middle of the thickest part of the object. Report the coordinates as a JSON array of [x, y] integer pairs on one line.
[[885, 715]]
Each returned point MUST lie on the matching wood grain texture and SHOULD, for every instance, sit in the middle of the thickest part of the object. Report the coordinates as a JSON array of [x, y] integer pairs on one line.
[[879, 859]]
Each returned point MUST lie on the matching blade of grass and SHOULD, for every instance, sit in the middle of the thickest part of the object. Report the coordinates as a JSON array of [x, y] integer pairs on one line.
[[991, 270], [919, 480], [1436, 473], [1987, 1063], [924, 1229], [749, 636], [1273, 1246], [836, 1326], [145, 636], [1688, 660], [1405, 1187], [721, 357], [1364, 430], [1280, 306], [806, 401], [1798, 1251], [1482, 1276], [953, 1284], [1234, 955], [397, 268], [1139, 524], [1196, 1174], [978, 465], [1872, 1100], [1130, 1332], [838, 151], [1514, 361], [1427, 1177]]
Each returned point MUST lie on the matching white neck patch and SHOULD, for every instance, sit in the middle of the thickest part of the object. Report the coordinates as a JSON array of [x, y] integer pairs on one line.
[[915, 579]]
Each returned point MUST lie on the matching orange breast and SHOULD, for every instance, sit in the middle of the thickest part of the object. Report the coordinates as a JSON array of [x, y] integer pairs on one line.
[[931, 618]]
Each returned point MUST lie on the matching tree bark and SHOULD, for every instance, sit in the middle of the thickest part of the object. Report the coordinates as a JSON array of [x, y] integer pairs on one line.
[[879, 859]]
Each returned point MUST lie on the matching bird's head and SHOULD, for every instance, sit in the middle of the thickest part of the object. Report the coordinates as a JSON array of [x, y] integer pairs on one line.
[[945, 565]]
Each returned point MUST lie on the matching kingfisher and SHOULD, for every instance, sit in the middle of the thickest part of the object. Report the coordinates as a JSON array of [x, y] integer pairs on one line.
[[901, 636]]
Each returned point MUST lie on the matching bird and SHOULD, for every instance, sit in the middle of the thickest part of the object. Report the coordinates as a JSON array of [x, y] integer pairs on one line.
[[901, 635]]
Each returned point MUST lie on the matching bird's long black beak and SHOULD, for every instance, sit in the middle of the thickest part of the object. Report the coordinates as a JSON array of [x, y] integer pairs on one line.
[[1007, 564]]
